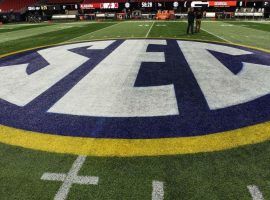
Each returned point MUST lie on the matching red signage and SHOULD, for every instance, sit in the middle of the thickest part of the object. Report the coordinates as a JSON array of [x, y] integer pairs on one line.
[[90, 6], [222, 3], [99, 6]]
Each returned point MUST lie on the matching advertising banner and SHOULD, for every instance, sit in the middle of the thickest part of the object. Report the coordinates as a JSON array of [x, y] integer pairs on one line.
[[222, 3], [90, 6], [99, 6]]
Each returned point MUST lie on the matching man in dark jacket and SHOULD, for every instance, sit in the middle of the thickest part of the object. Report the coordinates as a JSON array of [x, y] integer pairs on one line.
[[191, 17]]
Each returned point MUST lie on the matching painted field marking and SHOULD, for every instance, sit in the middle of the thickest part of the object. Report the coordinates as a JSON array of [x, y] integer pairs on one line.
[[70, 178], [222, 38], [255, 192], [157, 190], [117, 23], [60, 144], [141, 25], [149, 30], [229, 25]]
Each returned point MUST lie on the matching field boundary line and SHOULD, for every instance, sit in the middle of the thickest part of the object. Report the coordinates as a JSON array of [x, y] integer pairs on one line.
[[117, 23], [216, 35], [147, 34], [222, 38], [255, 192]]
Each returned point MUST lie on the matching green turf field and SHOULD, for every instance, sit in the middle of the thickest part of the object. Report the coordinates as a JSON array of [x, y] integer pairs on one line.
[[217, 175]]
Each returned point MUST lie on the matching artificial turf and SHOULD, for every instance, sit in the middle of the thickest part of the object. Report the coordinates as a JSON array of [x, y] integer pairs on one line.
[[240, 34], [253, 25], [217, 175], [17, 28], [53, 37]]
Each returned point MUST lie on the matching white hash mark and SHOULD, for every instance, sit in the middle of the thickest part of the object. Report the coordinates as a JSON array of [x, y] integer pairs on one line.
[[255, 192], [157, 190], [70, 178]]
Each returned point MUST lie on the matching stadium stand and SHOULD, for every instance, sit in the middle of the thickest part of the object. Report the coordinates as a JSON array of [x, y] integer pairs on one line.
[[103, 1], [46, 10], [63, 9], [15, 6], [249, 12], [63, 1]]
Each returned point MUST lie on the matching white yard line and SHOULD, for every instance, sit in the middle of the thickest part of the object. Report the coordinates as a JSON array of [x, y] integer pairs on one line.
[[255, 192], [94, 31], [157, 190], [216, 35], [149, 30], [222, 38], [70, 178]]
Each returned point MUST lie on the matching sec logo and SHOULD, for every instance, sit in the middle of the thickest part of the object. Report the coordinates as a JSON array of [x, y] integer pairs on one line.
[[134, 95]]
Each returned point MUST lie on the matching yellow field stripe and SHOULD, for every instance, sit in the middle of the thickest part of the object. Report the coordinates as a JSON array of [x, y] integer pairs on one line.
[[135, 147]]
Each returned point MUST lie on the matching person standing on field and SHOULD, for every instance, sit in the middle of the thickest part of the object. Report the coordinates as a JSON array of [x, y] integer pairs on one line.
[[198, 21], [191, 17]]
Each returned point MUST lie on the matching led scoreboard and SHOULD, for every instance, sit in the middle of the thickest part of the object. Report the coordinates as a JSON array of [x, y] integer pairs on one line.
[[147, 4], [109, 5]]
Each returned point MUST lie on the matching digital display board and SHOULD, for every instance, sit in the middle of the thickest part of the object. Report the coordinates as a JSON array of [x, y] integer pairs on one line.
[[147, 4], [109, 5], [222, 3], [100, 6]]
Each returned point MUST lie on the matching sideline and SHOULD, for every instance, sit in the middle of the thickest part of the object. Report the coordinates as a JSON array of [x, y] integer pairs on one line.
[[222, 38]]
